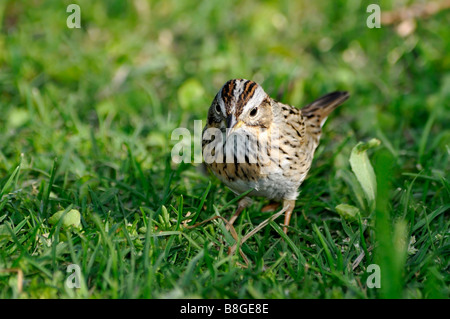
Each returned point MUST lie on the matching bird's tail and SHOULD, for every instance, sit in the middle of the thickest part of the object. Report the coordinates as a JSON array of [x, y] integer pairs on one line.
[[323, 106]]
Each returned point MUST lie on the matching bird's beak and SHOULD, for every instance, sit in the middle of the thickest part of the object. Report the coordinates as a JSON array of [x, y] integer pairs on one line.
[[232, 124]]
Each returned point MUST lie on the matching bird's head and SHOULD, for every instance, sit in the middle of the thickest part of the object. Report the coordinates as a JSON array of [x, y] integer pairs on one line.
[[240, 105]]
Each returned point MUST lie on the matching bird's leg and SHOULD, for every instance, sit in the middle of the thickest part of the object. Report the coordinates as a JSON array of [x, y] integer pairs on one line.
[[244, 202], [289, 206]]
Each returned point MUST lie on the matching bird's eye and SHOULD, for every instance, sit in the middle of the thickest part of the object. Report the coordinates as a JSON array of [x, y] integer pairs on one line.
[[217, 108], [254, 112]]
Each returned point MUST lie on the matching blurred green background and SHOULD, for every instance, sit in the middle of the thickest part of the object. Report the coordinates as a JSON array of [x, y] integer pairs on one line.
[[104, 99]]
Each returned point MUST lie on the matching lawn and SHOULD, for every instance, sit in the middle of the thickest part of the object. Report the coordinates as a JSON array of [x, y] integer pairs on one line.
[[86, 122]]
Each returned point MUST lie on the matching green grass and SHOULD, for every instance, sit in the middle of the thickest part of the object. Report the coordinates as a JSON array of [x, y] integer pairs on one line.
[[86, 117]]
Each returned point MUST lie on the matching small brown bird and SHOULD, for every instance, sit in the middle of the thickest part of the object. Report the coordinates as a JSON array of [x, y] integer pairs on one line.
[[251, 141]]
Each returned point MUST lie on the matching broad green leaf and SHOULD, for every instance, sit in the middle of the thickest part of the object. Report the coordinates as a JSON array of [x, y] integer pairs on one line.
[[348, 212], [72, 218], [363, 170]]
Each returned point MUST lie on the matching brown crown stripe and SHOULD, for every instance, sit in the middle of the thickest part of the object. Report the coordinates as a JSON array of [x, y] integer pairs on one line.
[[227, 92], [246, 95]]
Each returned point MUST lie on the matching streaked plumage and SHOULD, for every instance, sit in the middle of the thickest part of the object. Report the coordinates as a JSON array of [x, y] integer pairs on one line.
[[280, 140]]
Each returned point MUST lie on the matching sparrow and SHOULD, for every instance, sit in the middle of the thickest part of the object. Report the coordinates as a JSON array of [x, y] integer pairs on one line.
[[255, 144]]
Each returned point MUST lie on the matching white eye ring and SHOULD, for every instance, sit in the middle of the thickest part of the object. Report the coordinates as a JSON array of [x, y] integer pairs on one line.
[[254, 112], [218, 108]]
